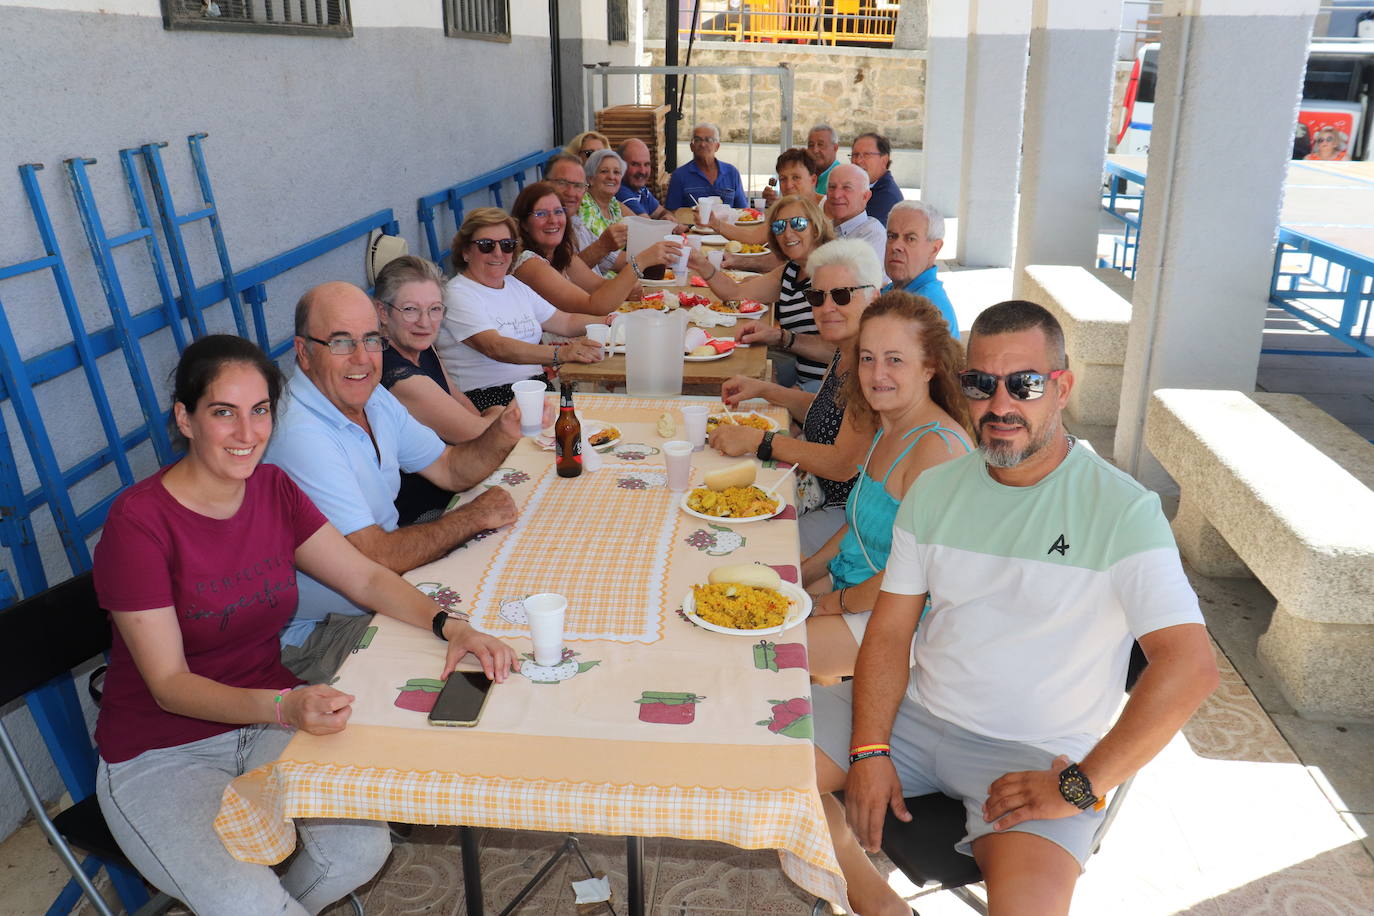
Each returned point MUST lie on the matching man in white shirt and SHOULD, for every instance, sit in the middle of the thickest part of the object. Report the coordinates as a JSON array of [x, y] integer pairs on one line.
[[844, 203], [1042, 563]]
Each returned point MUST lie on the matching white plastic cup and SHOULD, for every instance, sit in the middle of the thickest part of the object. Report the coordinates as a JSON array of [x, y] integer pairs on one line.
[[680, 268], [694, 422], [678, 455], [704, 213], [717, 257], [601, 333], [529, 395], [758, 203], [546, 612]]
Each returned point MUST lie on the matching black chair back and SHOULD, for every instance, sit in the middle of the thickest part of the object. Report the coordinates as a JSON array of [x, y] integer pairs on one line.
[[49, 634]]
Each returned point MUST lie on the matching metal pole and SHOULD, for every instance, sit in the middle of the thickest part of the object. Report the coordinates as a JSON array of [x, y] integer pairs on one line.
[[670, 84], [751, 132]]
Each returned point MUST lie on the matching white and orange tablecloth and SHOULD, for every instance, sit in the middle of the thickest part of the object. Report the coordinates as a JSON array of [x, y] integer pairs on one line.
[[650, 726]]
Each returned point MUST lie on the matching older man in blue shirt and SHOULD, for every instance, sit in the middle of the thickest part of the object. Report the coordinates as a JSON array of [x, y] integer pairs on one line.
[[705, 175], [915, 235], [344, 440]]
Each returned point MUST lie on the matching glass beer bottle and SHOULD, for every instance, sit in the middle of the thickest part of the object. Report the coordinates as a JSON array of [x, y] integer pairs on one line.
[[567, 435]]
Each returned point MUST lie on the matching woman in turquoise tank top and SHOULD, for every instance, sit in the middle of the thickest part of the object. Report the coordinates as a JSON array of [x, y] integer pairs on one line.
[[905, 384]]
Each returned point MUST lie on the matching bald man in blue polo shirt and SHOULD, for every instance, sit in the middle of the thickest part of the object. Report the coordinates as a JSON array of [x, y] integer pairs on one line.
[[915, 235], [705, 175]]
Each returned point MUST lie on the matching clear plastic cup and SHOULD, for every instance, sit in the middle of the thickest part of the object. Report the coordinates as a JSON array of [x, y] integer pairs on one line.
[[529, 396], [694, 423], [546, 612], [716, 256], [678, 455]]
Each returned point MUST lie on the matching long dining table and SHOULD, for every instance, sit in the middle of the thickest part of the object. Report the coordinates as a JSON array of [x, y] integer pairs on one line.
[[649, 726]]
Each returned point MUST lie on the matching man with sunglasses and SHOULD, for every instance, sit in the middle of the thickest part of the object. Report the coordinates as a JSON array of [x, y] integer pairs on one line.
[[705, 175], [844, 204], [344, 440], [1042, 563]]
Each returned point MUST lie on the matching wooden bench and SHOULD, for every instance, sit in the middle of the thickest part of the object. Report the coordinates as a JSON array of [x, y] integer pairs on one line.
[[1272, 486], [1096, 319]]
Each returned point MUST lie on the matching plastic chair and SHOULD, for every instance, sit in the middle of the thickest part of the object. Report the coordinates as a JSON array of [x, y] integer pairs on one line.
[[42, 639], [923, 849]]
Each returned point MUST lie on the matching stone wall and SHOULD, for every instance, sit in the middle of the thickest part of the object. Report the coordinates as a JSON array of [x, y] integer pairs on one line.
[[852, 89]]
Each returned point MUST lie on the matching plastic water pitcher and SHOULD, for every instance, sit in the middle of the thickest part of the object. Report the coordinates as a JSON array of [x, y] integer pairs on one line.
[[653, 352]]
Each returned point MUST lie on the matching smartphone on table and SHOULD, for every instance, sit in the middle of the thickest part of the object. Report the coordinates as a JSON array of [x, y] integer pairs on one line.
[[461, 699]]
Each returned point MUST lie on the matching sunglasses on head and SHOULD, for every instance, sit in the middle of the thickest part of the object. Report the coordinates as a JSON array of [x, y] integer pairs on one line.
[[1026, 385], [799, 223], [840, 295], [487, 246]]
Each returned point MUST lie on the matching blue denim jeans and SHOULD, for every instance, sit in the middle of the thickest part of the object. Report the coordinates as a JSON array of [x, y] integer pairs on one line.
[[161, 807]]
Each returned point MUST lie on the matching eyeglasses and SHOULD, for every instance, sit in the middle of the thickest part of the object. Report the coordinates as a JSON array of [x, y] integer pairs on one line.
[[704, 140], [411, 314], [545, 214], [799, 223], [565, 184], [853, 156], [1026, 385], [342, 346], [487, 246], [587, 153], [840, 295]]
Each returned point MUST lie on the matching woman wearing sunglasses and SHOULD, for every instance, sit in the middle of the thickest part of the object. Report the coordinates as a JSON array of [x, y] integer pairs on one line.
[[845, 279], [548, 262], [796, 228], [905, 383], [586, 143], [491, 335]]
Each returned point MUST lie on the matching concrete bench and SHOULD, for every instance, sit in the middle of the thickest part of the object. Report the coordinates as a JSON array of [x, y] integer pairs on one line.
[[1259, 495], [1096, 319]]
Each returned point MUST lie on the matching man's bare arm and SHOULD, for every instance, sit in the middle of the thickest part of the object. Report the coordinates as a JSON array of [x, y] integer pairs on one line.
[[1182, 672], [415, 545], [465, 464]]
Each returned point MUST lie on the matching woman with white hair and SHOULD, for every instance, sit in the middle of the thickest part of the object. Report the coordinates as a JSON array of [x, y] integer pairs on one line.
[[845, 277], [599, 208]]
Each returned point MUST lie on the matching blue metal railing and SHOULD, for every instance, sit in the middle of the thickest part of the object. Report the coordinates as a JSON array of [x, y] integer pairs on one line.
[[429, 206], [1307, 271], [1117, 182]]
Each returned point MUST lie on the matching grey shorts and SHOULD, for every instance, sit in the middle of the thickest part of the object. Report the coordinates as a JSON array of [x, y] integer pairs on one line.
[[317, 660], [932, 755]]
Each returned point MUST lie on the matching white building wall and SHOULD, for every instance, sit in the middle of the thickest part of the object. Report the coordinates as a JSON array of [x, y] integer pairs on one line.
[[306, 134]]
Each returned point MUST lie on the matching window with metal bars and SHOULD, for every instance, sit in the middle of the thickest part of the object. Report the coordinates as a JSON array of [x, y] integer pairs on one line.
[[618, 20], [485, 19], [282, 17]]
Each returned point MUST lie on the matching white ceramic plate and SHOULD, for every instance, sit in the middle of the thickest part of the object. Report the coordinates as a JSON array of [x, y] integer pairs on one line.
[[752, 254], [800, 607], [772, 424], [719, 241], [590, 427], [703, 230], [673, 282], [782, 504], [707, 359], [749, 222]]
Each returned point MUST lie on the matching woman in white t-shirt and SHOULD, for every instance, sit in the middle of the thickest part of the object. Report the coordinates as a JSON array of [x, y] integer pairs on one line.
[[490, 337]]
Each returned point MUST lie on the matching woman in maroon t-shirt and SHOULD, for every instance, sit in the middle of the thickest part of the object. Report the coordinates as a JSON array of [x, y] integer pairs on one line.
[[197, 565]]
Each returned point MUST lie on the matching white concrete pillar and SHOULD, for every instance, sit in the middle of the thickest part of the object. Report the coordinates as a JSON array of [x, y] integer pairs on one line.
[[1210, 217], [942, 168], [1068, 115], [994, 93]]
